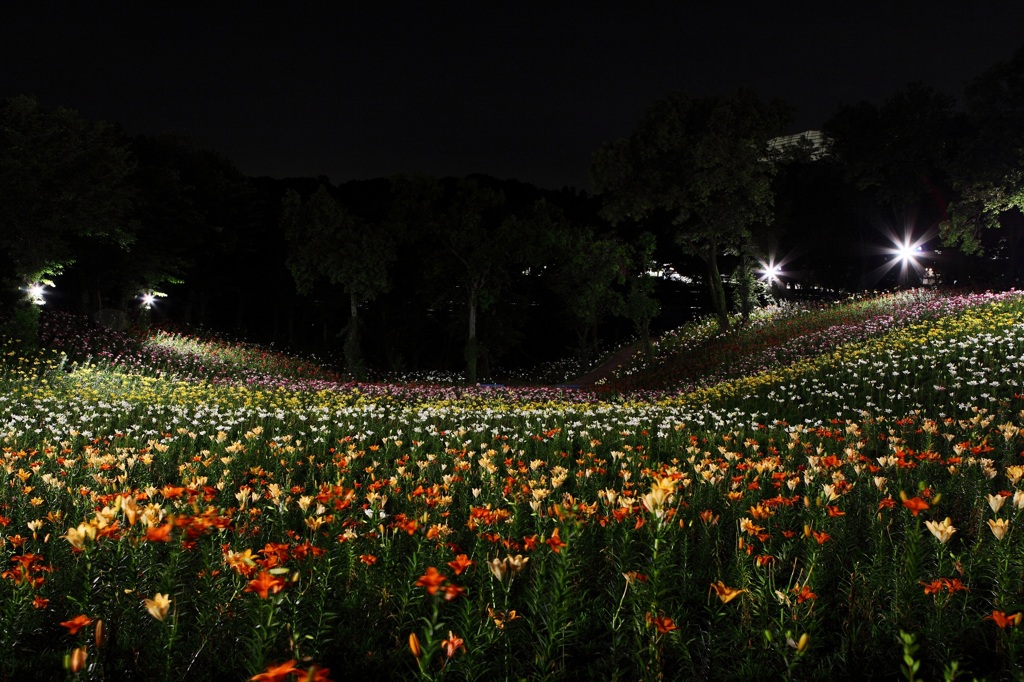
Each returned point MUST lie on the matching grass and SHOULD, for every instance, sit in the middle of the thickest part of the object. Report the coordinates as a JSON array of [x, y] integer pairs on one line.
[[789, 520]]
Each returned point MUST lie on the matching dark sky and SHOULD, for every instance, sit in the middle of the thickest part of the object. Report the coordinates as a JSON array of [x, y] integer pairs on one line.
[[367, 88]]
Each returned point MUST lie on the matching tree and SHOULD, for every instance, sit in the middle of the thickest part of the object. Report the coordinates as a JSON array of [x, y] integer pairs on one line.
[[327, 242], [471, 229], [190, 208], [62, 179], [639, 303], [893, 158], [988, 169], [895, 150], [585, 277], [474, 243], [704, 164]]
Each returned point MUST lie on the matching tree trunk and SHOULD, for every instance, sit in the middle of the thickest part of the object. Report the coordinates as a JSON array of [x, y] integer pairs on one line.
[[582, 337], [645, 341], [745, 281], [353, 356], [1014, 236], [717, 290], [471, 344]]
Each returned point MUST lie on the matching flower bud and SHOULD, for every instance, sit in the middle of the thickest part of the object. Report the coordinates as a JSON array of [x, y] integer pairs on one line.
[[75, 661]]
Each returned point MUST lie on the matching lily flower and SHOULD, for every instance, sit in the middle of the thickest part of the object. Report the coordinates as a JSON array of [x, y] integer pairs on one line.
[[942, 530], [460, 564], [995, 502], [1005, 621], [77, 623], [725, 593], [265, 584], [276, 673], [555, 543], [158, 605], [915, 504], [999, 527], [498, 568], [803, 593], [431, 580], [664, 624], [452, 644]]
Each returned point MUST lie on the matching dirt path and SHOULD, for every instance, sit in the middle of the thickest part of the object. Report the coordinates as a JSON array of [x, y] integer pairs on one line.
[[605, 369]]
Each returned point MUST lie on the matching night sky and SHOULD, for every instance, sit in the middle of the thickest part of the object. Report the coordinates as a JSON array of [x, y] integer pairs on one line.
[[528, 90]]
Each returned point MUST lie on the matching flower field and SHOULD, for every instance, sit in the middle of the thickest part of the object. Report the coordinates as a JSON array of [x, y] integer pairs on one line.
[[834, 493]]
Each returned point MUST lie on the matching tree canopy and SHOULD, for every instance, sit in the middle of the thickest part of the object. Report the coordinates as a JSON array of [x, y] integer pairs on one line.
[[704, 164], [895, 150], [327, 242], [988, 172], [62, 179]]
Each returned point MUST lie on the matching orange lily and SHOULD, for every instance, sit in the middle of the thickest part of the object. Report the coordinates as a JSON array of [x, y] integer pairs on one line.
[[452, 644], [725, 593], [915, 504], [664, 624], [276, 673], [1005, 621], [159, 533], [431, 580], [77, 623], [555, 542], [265, 584], [453, 592], [460, 564], [803, 593]]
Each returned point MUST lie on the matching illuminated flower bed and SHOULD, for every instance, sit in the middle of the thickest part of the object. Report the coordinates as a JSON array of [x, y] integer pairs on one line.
[[695, 355], [825, 518]]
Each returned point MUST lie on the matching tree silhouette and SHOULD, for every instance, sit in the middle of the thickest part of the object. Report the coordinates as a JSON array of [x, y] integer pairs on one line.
[[988, 170], [62, 179], [706, 165], [327, 242]]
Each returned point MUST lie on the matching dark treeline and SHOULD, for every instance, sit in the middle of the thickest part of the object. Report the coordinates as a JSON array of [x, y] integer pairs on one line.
[[482, 275]]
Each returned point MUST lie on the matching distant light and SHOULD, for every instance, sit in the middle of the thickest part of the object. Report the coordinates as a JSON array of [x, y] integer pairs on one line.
[[147, 300], [667, 272]]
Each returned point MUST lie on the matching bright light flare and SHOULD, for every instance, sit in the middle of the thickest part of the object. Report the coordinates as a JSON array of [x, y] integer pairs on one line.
[[907, 252], [770, 272], [35, 293], [148, 298]]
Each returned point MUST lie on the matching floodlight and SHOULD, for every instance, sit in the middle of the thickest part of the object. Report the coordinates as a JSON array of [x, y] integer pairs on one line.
[[770, 272], [35, 293], [907, 252]]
